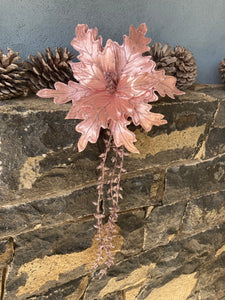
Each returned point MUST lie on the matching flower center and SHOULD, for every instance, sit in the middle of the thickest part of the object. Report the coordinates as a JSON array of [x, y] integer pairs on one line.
[[111, 82]]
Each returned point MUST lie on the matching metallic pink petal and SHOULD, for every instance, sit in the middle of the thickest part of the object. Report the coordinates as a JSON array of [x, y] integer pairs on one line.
[[147, 81], [87, 43], [89, 75], [136, 42], [167, 86], [64, 93], [142, 116], [157, 80], [109, 105], [99, 110], [89, 129], [149, 96], [138, 65], [123, 136], [107, 59], [125, 87], [120, 56]]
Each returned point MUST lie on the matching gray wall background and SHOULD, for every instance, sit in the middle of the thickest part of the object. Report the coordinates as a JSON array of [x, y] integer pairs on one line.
[[29, 26]]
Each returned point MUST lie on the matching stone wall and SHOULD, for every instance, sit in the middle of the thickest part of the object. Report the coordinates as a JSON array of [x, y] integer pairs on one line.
[[170, 241]]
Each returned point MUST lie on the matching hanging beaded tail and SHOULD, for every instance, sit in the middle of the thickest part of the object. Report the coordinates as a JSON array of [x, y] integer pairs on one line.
[[111, 178]]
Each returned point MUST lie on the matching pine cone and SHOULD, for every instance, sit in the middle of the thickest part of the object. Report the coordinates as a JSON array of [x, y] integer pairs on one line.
[[163, 57], [12, 83], [186, 68], [222, 70], [44, 70]]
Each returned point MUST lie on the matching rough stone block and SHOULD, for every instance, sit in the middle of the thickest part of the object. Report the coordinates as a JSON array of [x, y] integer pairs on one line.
[[193, 179], [30, 128], [157, 232], [215, 141], [203, 213]]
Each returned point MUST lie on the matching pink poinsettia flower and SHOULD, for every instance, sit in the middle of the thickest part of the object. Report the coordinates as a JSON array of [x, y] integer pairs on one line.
[[115, 85]]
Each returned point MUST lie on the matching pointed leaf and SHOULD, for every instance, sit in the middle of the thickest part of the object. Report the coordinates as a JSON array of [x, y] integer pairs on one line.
[[137, 42], [97, 110], [157, 80], [167, 86], [123, 136], [142, 116], [64, 93], [87, 43]]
